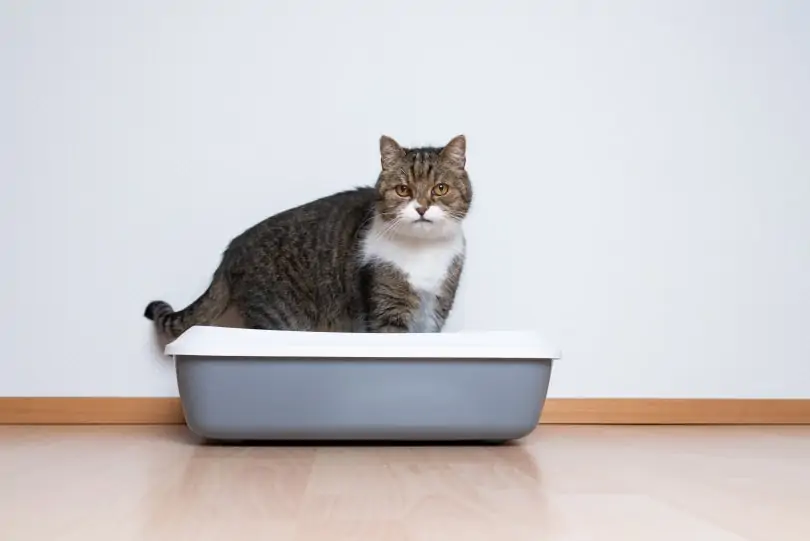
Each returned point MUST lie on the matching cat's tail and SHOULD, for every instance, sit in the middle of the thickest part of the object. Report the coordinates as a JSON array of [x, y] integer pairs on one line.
[[205, 309]]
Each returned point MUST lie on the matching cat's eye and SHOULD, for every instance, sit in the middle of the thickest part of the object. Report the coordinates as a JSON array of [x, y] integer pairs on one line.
[[441, 189], [403, 191]]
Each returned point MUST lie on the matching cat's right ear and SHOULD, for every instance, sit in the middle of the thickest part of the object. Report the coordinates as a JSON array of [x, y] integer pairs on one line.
[[390, 152]]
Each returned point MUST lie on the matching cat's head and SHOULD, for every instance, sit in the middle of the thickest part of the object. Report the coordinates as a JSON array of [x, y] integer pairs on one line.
[[423, 192]]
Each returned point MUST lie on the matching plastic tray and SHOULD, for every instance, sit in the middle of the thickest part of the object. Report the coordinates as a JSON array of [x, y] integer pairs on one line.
[[241, 384]]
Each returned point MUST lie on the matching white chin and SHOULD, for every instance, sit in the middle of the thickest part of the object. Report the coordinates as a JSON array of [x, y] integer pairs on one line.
[[427, 230]]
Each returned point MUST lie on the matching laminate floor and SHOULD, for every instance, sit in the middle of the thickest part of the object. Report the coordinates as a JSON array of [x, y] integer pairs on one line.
[[562, 483]]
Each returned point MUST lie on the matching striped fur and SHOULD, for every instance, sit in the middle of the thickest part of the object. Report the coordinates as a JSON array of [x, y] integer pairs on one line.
[[309, 268]]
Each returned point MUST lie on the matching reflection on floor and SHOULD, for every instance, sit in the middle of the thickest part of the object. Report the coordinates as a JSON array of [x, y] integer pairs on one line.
[[561, 483]]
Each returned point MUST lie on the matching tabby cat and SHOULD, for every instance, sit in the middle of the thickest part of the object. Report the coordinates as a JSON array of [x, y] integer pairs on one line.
[[386, 258]]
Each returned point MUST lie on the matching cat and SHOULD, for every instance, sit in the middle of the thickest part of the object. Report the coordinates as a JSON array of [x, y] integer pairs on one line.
[[382, 258]]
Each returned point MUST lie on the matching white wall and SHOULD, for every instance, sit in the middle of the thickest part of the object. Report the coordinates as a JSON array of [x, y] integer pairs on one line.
[[642, 173]]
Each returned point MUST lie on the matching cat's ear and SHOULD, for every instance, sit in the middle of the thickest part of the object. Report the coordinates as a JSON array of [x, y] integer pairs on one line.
[[454, 153], [390, 152]]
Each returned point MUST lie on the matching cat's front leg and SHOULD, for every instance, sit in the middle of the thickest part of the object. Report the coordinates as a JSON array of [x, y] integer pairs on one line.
[[447, 297], [392, 303], [390, 314], [392, 329]]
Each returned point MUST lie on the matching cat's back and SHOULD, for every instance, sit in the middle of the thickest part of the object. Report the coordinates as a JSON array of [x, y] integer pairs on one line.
[[340, 215]]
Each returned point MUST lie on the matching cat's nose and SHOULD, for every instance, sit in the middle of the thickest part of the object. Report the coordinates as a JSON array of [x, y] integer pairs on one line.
[[421, 210]]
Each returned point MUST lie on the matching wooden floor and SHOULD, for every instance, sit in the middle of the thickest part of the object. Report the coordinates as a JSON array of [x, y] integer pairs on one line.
[[563, 483]]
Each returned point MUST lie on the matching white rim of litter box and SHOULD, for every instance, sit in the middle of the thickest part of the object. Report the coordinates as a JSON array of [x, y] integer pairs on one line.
[[204, 341]]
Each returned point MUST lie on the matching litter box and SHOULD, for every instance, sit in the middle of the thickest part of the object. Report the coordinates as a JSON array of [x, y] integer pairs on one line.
[[252, 385]]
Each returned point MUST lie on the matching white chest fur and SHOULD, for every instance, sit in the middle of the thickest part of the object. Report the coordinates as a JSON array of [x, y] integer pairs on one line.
[[424, 262]]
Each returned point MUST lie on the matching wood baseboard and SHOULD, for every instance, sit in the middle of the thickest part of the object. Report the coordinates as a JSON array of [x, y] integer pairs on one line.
[[90, 411], [606, 411], [666, 411]]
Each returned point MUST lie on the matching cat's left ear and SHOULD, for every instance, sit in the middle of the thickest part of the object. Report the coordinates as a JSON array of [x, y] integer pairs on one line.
[[454, 153], [390, 153]]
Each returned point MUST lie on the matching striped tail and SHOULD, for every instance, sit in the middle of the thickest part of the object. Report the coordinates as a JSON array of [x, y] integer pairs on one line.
[[204, 310]]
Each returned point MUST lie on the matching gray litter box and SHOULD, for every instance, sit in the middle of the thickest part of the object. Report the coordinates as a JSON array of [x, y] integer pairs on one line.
[[243, 384]]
